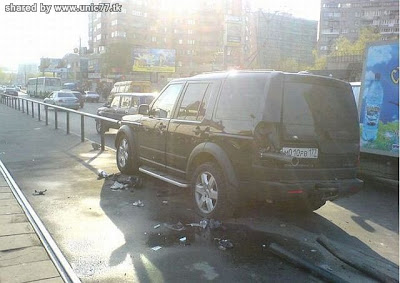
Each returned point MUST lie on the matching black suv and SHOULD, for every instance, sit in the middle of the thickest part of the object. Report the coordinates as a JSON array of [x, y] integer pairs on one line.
[[272, 136], [119, 105]]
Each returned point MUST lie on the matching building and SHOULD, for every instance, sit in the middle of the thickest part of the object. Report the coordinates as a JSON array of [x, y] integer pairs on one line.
[[207, 35], [347, 17], [25, 71], [281, 38]]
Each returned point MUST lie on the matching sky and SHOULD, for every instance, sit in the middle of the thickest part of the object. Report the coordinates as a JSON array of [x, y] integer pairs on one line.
[[25, 37]]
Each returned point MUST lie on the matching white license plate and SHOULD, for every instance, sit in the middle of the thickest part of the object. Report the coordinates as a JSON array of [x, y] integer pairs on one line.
[[301, 152]]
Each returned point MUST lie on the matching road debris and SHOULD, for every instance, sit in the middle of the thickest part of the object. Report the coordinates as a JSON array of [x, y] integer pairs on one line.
[[305, 264], [176, 227], [102, 174], [156, 248], [39, 193], [96, 146], [138, 203], [165, 202], [157, 226], [117, 186], [204, 223], [224, 244]]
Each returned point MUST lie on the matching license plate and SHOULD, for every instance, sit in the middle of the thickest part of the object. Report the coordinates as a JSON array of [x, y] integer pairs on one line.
[[301, 152]]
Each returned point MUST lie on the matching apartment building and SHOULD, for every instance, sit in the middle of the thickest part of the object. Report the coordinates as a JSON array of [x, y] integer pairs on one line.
[[347, 17]]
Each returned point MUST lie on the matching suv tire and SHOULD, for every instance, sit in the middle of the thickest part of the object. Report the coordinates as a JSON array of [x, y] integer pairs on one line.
[[211, 193], [126, 161]]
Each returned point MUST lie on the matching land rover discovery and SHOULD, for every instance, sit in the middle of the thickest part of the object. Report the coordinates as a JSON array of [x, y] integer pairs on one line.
[[227, 136]]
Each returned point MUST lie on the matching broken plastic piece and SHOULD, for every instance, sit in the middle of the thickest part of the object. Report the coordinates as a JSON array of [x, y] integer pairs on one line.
[[225, 244], [182, 240], [165, 202], [96, 146], [39, 193], [157, 226], [138, 203], [156, 248], [102, 174], [203, 223], [117, 186], [176, 227]]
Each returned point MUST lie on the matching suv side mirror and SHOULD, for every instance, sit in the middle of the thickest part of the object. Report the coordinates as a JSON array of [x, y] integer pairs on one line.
[[143, 109]]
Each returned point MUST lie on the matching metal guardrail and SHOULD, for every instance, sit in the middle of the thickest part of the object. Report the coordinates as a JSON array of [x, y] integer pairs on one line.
[[23, 104]]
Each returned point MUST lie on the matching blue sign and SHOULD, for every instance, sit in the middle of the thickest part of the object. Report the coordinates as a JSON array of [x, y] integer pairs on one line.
[[379, 113]]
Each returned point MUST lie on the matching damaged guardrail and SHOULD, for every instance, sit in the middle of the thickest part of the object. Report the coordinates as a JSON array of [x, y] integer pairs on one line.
[[27, 106]]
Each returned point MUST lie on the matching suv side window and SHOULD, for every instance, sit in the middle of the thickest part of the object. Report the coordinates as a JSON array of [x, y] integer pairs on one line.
[[125, 101], [115, 102], [241, 97], [194, 102], [162, 107]]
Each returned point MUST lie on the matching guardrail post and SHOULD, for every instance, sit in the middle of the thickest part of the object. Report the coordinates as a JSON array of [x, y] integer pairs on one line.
[[12, 102], [33, 111], [67, 122], [19, 104], [82, 128], [46, 111], [27, 107], [23, 106], [102, 140], [55, 118], [38, 112]]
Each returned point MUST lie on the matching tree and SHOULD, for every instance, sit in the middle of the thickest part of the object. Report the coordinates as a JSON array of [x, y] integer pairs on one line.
[[117, 58], [344, 46]]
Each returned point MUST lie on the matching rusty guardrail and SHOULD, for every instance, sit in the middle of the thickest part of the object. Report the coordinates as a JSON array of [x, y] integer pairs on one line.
[[23, 104]]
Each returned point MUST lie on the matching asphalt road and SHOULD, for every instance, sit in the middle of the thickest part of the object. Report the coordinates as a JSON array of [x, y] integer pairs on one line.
[[107, 239]]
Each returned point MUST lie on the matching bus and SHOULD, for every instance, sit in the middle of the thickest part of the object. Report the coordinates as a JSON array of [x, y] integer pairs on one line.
[[42, 86]]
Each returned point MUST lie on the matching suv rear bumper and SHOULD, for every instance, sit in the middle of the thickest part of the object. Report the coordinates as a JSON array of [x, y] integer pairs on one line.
[[323, 189]]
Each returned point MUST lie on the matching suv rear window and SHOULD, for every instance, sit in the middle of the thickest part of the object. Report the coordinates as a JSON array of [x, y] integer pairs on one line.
[[241, 97], [318, 110]]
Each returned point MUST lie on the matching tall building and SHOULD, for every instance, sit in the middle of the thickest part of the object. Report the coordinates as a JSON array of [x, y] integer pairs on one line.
[[209, 35], [347, 17], [281, 37]]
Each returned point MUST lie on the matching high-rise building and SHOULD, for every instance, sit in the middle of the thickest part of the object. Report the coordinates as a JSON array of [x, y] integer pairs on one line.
[[281, 37], [347, 18], [210, 35]]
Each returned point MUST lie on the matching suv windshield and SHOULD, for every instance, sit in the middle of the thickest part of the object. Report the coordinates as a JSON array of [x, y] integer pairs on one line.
[[317, 110]]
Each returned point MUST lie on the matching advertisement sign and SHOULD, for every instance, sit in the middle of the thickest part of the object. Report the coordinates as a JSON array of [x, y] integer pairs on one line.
[[153, 60], [233, 34], [379, 111], [51, 64]]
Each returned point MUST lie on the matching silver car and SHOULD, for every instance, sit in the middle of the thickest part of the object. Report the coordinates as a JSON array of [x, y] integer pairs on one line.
[[63, 98]]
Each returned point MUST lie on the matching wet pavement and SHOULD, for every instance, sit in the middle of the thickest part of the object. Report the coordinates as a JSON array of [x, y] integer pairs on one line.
[[106, 238]]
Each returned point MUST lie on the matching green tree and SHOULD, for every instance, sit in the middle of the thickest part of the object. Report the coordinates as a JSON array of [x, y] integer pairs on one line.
[[344, 46], [117, 58], [319, 61]]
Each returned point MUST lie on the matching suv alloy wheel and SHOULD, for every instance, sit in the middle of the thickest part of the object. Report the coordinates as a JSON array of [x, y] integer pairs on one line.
[[125, 156], [211, 192]]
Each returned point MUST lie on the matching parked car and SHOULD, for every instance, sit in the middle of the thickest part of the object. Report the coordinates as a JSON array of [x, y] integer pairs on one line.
[[63, 98], [122, 104], [11, 91], [92, 96], [80, 96], [272, 136]]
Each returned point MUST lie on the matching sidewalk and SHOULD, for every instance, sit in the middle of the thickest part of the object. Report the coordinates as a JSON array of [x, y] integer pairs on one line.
[[22, 255]]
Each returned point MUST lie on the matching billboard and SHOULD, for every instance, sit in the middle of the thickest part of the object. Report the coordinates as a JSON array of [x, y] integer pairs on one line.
[[153, 60], [379, 100], [51, 64]]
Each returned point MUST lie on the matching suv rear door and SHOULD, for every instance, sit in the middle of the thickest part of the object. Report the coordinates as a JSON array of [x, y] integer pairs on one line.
[[319, 122]]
